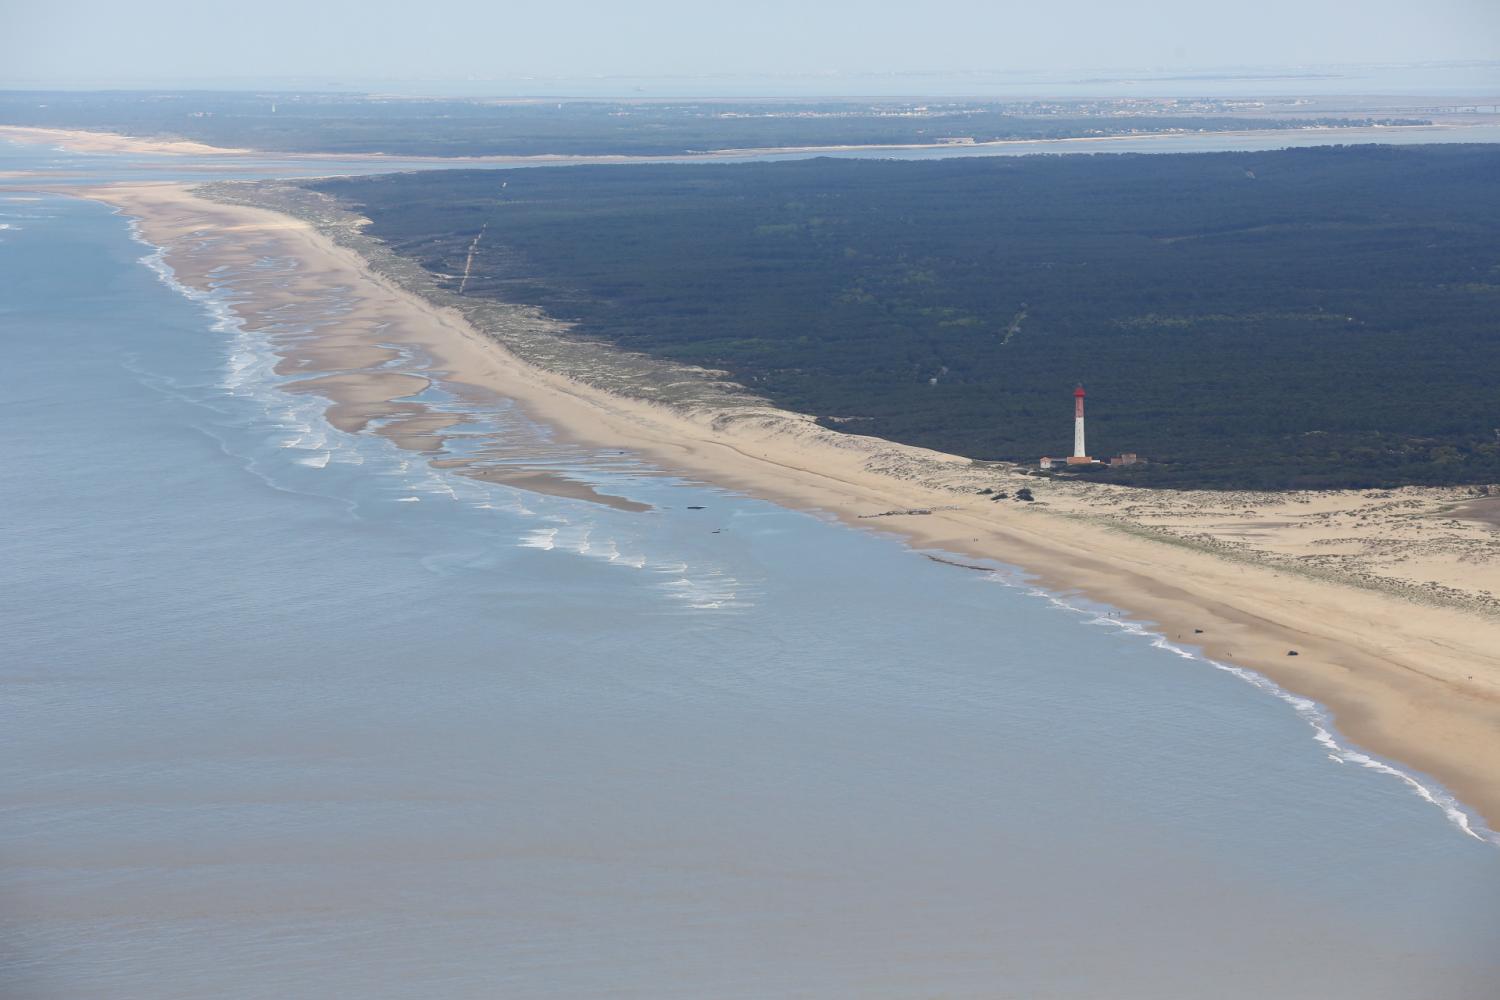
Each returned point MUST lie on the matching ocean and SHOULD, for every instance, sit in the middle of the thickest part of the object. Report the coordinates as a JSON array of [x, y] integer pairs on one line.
[[286, 712]]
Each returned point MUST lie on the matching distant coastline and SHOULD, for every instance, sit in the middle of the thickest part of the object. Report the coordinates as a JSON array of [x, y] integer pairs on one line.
[[1417, 681], [86, 141]]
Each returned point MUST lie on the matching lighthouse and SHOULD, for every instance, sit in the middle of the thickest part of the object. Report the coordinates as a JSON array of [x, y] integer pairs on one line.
[[1079, 451], [1080, 454]]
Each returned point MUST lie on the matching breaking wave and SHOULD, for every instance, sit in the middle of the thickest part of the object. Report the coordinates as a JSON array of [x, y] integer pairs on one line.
[[1315, 715]]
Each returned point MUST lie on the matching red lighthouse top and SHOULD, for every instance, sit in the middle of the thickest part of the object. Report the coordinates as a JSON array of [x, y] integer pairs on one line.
[[1078, 392]]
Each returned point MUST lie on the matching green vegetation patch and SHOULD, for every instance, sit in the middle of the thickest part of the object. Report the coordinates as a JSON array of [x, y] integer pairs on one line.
[[1303, 318]]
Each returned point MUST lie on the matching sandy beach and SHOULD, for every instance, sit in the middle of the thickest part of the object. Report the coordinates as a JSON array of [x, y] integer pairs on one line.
[[82, 141], [1387, 598]]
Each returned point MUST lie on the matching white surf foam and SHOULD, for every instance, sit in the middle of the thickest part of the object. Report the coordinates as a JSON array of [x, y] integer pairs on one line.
[[1315, 715], [540, 538], [711, 590], [296, 422], [298, 426]]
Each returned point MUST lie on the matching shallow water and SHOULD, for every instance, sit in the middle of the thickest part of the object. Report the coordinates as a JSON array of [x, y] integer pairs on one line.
[[288, 713]]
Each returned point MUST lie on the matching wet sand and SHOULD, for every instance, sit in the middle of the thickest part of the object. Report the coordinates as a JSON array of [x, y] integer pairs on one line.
[[1409, 672], [348, 348]]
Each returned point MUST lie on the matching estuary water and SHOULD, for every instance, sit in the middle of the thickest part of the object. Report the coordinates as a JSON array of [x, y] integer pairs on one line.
[[65, 167], [284, 712]]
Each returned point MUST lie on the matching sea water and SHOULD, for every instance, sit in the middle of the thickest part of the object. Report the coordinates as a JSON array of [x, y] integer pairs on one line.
[[285, 712]]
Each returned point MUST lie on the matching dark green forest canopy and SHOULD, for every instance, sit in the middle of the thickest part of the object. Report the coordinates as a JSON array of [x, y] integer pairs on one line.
[[1311, 317]]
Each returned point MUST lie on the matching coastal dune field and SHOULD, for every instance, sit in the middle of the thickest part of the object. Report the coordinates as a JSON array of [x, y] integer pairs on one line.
[[1380, 605]]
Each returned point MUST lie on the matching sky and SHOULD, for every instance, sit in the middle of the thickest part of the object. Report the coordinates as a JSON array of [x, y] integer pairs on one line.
[[82, 41]]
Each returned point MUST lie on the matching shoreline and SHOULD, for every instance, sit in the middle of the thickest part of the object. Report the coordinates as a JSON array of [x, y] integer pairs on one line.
[[1413, 683], [85, 141]]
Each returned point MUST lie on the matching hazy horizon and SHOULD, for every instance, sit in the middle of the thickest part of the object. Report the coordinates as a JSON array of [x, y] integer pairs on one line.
[[1462, 81], [825, 49]]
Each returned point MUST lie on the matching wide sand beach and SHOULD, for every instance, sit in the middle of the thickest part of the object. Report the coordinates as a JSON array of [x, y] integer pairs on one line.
[[1387, 599]]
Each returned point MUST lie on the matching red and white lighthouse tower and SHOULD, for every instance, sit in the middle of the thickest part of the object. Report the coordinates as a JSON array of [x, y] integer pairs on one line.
[[1080, 453]]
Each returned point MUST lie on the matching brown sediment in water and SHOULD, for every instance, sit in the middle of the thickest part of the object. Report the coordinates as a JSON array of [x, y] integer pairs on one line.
[[420, 431], [301, 359], [1389, 606], [542, 481], [358, 398]]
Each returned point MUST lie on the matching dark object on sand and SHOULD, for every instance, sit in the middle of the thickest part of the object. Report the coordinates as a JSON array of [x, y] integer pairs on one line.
[[1292, 652], [1024, 493]]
